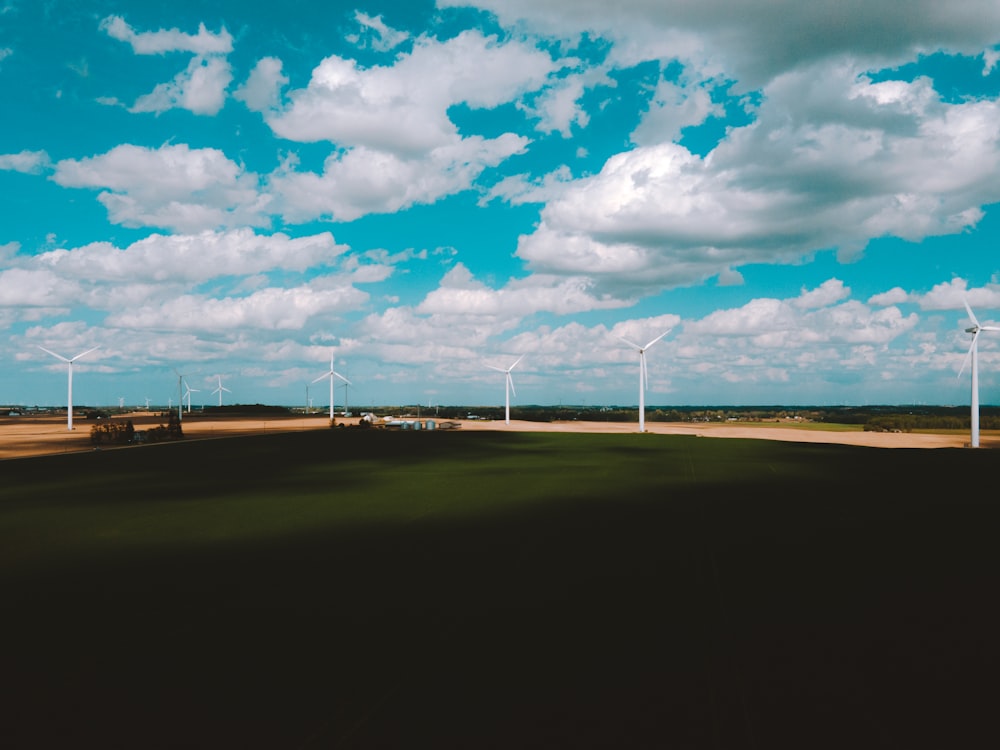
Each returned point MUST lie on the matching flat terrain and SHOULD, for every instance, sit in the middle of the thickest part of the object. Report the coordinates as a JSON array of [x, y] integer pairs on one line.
[[30, 436], [497, 588]]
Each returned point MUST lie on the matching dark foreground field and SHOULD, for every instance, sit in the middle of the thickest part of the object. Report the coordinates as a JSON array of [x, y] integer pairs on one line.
[[352, 589]]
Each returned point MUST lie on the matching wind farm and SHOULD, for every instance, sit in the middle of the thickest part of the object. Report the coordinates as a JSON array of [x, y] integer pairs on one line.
[[735, 265]]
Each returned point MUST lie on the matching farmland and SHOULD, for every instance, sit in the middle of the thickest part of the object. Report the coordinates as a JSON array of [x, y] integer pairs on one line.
[[344, 588]]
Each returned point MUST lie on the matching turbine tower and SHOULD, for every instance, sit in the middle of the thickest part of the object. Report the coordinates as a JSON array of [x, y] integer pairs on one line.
[[508, 387], [180, 395], [331, 373], [643, 376], [974, 356], [69, 380], [188, 390], [220, 389]]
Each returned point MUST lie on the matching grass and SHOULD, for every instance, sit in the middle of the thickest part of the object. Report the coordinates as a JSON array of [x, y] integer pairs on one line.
[[370, 589]]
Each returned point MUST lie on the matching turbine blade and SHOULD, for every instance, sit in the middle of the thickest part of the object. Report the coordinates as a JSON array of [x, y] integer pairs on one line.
[[968, 356], [57, 356], [510, 380], [972, 317], [323, 376], [498, 369], [84, 354], [656, 339], [634, 346], [343, 378], [515, 363]]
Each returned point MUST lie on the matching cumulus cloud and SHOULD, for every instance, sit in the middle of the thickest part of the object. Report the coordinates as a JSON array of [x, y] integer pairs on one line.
[[817, 317], [403, 109], [29, 162], [672, 108], [376, 33], [754, 41], [832, 161], [173, 187], [363, 180], [192, 258], [201, 89], [954, 294], [160, 42], [461, 294], [262, 90], [288, 308]]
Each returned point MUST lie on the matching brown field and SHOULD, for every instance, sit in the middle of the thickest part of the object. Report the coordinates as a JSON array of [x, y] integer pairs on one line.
[[32, 436]]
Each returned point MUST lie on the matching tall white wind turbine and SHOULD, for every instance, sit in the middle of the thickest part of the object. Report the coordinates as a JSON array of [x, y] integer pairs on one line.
[[331, 373], [69, 387], [188, 390], [220, 389], [974, 356], [643, 376], [509, 386]]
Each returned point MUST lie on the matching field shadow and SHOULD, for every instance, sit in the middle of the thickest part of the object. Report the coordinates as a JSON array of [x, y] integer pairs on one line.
[[666, 593]]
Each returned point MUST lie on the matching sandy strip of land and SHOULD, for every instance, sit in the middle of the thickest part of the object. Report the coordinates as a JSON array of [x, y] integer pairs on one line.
[[27, 436]]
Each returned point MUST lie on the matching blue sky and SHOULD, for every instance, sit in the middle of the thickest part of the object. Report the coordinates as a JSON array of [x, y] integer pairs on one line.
[[802, 194]]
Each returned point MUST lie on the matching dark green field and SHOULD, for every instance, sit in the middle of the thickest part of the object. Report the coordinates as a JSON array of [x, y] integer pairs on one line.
[[355, 589]]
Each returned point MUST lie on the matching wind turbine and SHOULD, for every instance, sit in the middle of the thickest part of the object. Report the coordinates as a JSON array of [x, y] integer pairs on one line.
[[180, 394], [220, 389], [188, 390], [69, 380], [974, 356], [331, 373], [643, 376], [508, 387]]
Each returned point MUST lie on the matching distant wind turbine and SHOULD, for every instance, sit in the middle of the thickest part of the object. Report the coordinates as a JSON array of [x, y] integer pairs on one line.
[[331, 373], [508, 386], [220, 389], [69, 380], [643, 376], [974, 356], [180, 395], [188, 390]]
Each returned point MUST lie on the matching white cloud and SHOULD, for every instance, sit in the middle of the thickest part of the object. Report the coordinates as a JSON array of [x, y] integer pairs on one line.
[[262, 90], [168, 40], [30, 162], [201, 89], [461, 294], [174, 187], [756, 40], [191, 258], [895, 296], [377, 34], [826, 294], [953, 295], [833, 160], [363, 181], [672, 108], [558, 107], [816, 318], [268, 309], [403, 109]]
